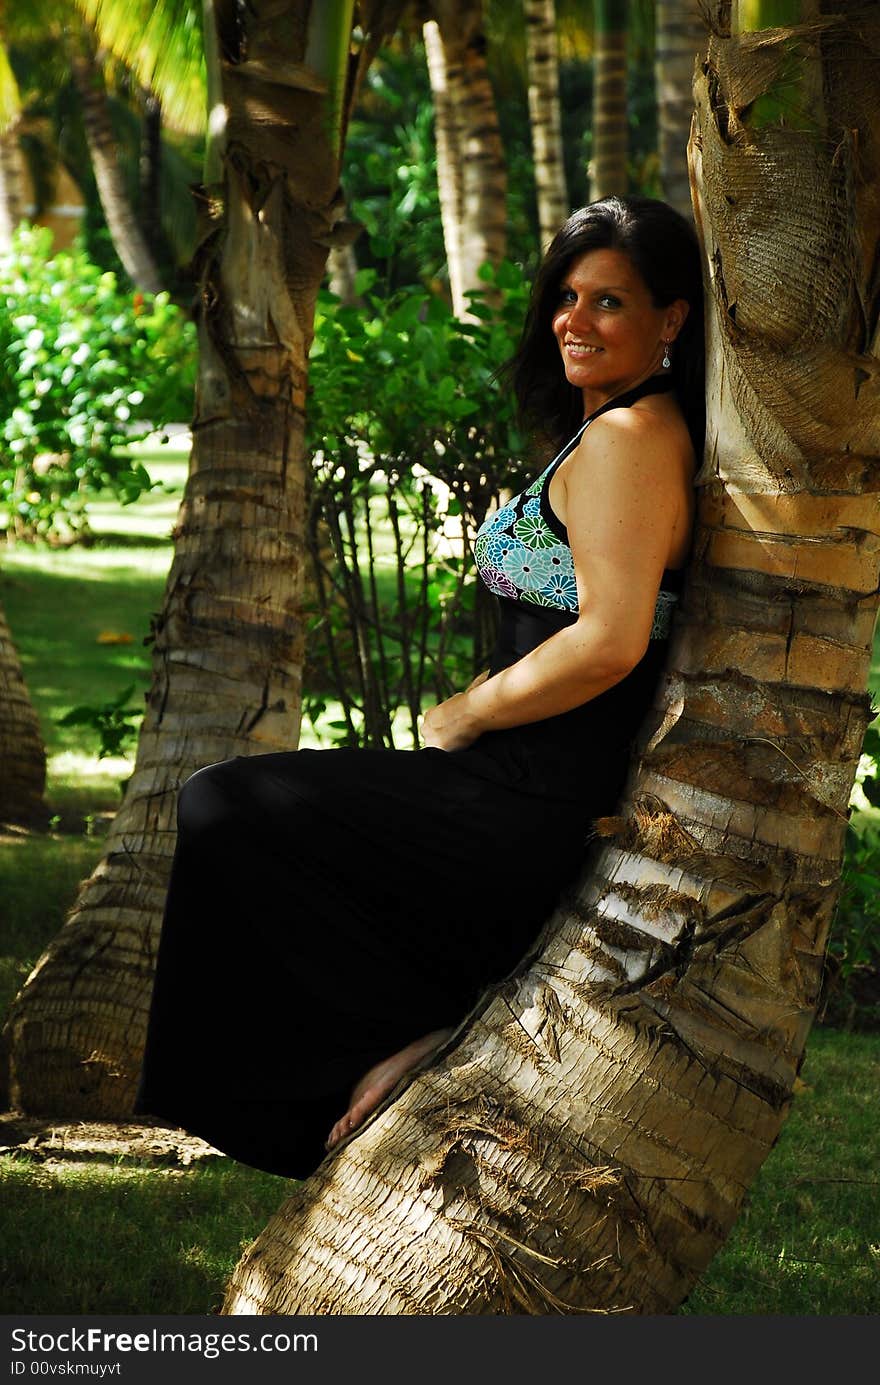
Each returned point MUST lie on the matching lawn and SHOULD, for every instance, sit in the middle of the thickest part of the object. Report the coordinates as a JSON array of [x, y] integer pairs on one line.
[[124, 1234]]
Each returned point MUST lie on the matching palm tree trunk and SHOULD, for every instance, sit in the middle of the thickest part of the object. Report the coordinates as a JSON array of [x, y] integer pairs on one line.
[[681, 32], [449, 164], [22, 753], [608, 172], [586, 1144], [477, 145], [543, 63], [13, 197], [128, 239], [150, 170], [227, 644]]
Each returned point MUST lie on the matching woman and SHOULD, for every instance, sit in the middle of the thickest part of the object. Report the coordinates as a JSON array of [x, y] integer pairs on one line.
[[332, 913]]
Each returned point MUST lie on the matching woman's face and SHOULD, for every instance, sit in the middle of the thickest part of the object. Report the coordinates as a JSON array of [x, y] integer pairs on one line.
[[610, 334]]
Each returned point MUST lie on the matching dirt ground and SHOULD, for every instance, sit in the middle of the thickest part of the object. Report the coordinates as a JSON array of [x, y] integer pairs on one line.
[[66, 1141]]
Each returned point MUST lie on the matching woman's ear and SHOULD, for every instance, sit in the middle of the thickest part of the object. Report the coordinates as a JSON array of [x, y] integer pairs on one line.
[[676, 314]]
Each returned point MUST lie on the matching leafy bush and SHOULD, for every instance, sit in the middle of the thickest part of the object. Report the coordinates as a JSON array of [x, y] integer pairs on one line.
[[412, 442], [89, 369], [115, 724], [851, 990]]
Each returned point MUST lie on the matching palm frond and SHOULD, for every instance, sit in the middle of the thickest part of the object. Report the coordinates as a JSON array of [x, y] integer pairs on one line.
[[161, 42]]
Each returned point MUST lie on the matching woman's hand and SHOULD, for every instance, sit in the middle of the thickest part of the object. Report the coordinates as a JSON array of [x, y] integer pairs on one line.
[[451, 725]]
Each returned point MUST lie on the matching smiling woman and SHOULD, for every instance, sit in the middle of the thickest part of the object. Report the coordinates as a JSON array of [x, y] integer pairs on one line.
[[380, 908]]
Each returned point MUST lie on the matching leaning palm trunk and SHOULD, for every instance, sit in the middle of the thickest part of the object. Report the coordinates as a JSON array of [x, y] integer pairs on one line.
[[542, 51], [608, 172], [586, 1145], [22, 753], [475, 146], [227, 642], [680, 37], [128, 239]]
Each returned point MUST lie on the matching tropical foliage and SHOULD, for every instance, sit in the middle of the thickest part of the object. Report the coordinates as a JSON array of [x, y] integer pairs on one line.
[[90, 368]]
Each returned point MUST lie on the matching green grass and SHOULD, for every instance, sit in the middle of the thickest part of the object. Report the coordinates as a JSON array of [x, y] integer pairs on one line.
[[103, 1236], [108, 1238], [808, 1239]]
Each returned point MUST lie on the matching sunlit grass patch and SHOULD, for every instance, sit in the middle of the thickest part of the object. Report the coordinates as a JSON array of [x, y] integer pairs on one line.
[[808, 1238], [104, 1237]]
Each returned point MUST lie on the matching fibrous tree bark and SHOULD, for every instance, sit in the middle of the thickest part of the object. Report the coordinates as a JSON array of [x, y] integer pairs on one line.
[[22, 753], [542, 51], [585, 1142], [128, 239], [227, 647], [680, 37], [470, 158], [608, 171]]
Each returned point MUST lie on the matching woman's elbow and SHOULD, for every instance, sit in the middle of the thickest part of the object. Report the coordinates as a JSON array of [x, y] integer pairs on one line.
[[617, 651]]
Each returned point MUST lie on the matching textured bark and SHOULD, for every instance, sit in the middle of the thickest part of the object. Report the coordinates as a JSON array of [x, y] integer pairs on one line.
[[128, 239], [542, 52], [448, 164], [585, 1143], [150, 170], [227, 642], [680, 38], [12, 185], [475, 146], [22, 753], [608, 172]]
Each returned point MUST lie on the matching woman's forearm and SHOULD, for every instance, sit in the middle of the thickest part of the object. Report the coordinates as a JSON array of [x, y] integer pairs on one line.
[[570, 668]]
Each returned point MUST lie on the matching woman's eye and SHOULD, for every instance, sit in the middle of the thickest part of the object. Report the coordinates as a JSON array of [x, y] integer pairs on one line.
[[608, 300], [567, 295]]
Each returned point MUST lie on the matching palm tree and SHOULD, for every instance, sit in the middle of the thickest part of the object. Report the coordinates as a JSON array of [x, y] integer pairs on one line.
[[22, 753], [543, 62], [608, 173], [128, 238], [12, 189], [470, 159], [680, 34], [586, 1140], [227, 643]]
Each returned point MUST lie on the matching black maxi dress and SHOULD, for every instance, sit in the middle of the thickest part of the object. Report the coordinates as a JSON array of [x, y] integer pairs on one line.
[[327, 907]]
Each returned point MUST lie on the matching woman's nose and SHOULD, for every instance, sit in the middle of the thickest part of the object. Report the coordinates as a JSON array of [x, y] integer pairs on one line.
[[579, 317]]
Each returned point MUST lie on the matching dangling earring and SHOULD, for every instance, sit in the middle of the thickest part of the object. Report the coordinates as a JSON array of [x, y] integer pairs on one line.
[[666, 362]]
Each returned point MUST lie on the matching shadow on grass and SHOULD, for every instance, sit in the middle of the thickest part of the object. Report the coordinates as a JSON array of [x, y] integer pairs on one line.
[[106, 1238]]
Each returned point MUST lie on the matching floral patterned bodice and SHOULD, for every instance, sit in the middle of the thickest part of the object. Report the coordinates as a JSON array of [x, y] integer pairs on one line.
[[522, 551]]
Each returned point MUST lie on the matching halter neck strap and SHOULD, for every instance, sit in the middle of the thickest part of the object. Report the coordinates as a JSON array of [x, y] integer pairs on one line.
[[655, 384]]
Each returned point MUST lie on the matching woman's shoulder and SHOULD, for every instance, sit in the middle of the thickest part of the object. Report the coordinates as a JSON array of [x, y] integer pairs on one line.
[[652, 431]]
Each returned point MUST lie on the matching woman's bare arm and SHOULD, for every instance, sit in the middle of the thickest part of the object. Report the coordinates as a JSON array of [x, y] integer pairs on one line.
[[625, 498]]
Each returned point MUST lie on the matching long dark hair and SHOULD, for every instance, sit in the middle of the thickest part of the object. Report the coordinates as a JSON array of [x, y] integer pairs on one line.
[[664, 249]]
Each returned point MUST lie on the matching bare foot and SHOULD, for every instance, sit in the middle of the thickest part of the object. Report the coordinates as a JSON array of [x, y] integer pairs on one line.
[[378, 1082]]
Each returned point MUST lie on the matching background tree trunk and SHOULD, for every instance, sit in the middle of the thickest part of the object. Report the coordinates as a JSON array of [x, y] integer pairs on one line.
[[128, 239], [227, 647], [22, 753], [12, 173], [478, 150], [542, 52], [680, 36], [150, 170], [448, 165], [586, 1144], [608, 172]]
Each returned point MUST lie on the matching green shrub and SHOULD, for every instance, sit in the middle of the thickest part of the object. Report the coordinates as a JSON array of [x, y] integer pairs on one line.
[[851, 989], [412, 442], [89, 369]]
